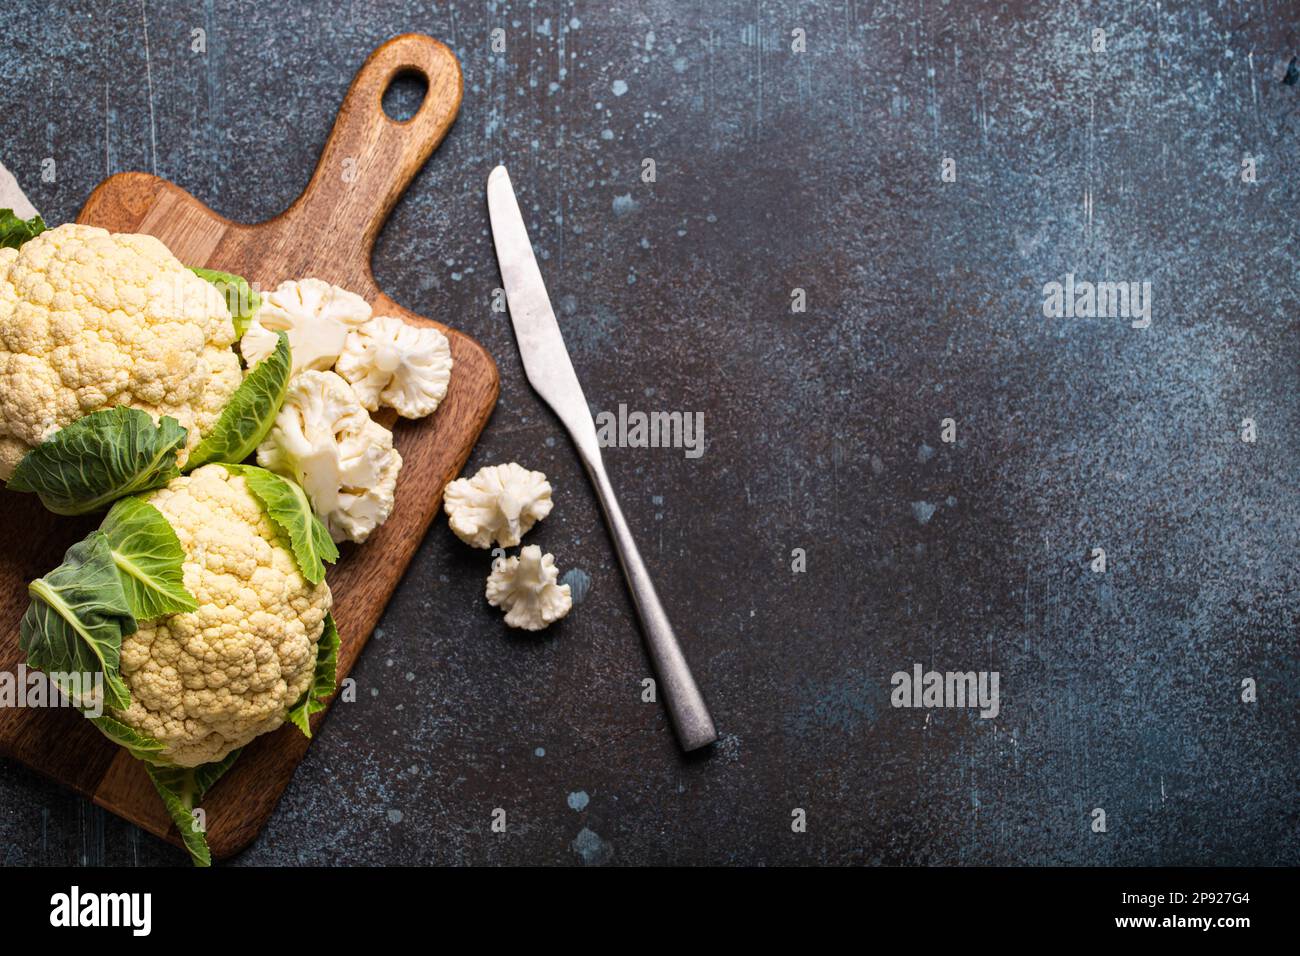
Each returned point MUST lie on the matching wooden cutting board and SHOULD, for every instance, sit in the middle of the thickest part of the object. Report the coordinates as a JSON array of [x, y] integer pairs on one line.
[[328, 232]]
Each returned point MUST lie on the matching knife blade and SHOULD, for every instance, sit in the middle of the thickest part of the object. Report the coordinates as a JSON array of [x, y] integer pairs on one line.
[[550, 371], [541, 346]]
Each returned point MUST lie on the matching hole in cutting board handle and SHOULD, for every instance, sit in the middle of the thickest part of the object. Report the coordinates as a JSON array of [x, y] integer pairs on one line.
[[404, 95]]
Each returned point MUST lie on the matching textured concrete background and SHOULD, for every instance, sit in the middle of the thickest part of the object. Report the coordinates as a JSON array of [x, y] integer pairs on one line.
[[778, 170]]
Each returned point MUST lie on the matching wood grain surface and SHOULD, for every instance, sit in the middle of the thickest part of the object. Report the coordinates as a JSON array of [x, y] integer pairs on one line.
[[328, 232]]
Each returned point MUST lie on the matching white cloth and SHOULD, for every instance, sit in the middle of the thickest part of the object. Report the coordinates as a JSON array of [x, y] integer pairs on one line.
[[11, 196]]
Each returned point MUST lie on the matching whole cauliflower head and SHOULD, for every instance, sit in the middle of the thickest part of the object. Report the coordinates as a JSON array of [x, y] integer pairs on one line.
[[391, 362], [345, 462], [91, 319], [208, 681], [314, 314], [500, 503], [525, 587]]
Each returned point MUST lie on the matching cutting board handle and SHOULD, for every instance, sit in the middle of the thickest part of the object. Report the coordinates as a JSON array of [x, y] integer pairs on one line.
[[370, 158]]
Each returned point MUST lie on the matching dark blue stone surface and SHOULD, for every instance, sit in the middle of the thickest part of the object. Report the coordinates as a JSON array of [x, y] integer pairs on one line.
[[821, 171]]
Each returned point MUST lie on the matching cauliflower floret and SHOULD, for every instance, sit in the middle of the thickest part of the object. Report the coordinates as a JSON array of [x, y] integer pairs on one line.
[[315, 315], [90, 320], [208, 681], [389, 362], [324, 440], [524, 586], [500, 503]]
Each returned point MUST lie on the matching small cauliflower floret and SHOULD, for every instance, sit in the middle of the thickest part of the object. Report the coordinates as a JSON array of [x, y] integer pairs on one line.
[[524, 587], [346, 463], [206, 682], [90, 320], [314, 314], [389, 362], [500, 503]]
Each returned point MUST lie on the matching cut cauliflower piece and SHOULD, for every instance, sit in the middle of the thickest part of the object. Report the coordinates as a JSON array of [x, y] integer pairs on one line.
[[324, 440], [206, 682], [390, 362], [90, 320], [524, 587], [500, 503], [314, 314]]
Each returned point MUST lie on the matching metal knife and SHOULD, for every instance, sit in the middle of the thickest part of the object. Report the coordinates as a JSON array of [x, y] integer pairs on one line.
[[549, 370]]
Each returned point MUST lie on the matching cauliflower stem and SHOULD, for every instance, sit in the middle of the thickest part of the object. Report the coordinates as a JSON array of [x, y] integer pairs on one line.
[[181, 788], [326, 442], [499, 504], [526, 588], [388, 362]]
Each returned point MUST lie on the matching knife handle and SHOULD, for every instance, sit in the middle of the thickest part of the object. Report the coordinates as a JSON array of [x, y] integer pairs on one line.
[[686, 707]]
